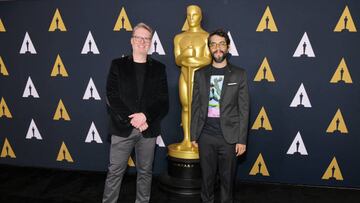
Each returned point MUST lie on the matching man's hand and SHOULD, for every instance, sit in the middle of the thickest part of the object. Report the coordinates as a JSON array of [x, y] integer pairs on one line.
[[143, 127], [195, 144], [240, 149], [137, 119]]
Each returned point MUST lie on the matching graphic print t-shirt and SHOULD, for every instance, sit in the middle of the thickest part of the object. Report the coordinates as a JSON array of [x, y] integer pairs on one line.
[[212, 124]]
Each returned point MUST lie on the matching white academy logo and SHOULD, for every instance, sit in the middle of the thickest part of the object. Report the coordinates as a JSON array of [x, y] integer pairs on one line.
[[304, 49], [159, 141], [93, 135], [91, 91], [27, 45], [301, 98], [33, 131], [156, 45], [90, 45], [30, 89], [232, 48], [297, 146]]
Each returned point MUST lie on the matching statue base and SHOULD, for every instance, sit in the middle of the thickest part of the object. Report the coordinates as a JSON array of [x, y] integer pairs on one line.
[[183, 177], [183, 150]]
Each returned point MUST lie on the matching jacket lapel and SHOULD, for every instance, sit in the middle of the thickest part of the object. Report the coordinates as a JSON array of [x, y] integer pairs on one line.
[[226, 80], [205, 98]]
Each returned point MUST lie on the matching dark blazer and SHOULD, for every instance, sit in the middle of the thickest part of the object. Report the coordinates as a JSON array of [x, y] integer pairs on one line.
[[234, 104], [123, 100]]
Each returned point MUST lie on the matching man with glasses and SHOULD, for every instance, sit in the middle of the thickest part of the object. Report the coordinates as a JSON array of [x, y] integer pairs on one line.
[[137, 100], [220, 114]]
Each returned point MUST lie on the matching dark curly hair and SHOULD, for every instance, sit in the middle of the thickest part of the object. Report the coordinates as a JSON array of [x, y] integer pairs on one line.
[[221, 33]]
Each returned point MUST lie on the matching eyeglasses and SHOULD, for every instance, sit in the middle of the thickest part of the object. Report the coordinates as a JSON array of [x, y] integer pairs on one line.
[[140, 39], [221, 44]]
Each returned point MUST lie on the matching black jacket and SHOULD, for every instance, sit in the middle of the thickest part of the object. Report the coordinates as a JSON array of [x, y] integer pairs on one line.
[[123, 100], [234, 104]]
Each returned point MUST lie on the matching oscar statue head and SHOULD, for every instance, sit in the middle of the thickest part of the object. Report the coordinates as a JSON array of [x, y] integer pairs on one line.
[[194, 15]]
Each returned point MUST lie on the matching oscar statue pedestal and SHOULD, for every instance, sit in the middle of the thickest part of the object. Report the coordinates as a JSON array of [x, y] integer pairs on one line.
[[184, 175]]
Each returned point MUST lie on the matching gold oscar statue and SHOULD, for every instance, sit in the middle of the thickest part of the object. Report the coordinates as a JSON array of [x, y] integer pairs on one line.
[[191, 53]]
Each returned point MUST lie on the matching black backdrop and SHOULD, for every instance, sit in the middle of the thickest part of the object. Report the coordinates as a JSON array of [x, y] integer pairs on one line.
[[317, 148]]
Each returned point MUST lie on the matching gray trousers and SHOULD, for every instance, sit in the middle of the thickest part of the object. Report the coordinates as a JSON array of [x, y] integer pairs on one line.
[[120, 150]]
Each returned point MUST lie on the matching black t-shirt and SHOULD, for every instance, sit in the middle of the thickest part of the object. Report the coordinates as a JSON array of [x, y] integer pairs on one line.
[[140, 69], [212, 123]]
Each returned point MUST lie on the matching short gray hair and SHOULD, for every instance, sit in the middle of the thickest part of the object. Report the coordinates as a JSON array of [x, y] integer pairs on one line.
[[143, 25]]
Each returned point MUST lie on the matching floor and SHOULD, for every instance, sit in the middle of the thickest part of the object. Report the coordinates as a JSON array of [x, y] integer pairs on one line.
[[34, 185]]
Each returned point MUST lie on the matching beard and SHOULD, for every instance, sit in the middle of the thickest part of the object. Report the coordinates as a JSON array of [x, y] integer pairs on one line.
[[220, 58]]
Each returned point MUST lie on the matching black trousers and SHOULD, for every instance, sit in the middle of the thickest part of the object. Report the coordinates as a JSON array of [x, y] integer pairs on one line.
[[217, 155]]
